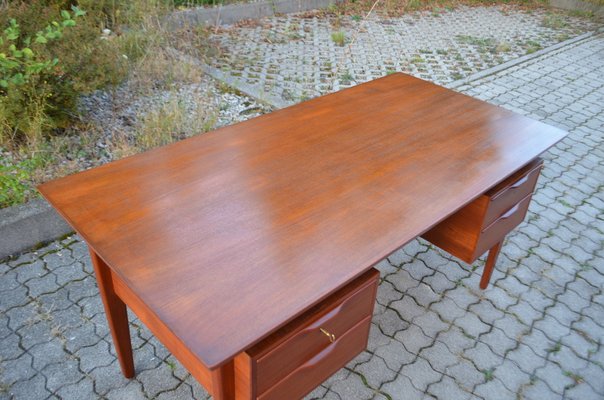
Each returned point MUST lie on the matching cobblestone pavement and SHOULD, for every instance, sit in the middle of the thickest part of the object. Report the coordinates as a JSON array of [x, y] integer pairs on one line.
[[297, 56], [536, 333]]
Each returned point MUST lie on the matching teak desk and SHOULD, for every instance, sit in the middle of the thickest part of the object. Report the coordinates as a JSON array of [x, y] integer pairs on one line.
[[248, 251]]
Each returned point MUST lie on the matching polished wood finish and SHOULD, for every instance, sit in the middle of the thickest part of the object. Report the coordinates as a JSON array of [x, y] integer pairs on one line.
[[305, 341], [292, 347], [223, 382], [490, 265], [309, 375], [163, 333], [229, 235], [504, 196], [483, 224], [304, 338], [117, 315]]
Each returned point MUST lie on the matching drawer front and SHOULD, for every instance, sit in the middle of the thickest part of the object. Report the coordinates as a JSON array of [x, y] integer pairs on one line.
[[314, 337], [510, 192], [320, 367], [503, 225]]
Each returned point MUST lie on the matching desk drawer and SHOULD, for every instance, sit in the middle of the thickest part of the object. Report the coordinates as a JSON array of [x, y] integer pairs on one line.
[[311, 342], [503, 225], [333, 357], [511, 191], [475, 228]]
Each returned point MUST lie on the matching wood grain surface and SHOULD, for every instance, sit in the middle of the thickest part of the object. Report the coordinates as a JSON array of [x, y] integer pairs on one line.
[[228, 235]]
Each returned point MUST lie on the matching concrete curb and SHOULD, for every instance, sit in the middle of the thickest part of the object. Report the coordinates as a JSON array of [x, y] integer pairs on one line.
[[578, 5], [522, 60], [230, 14], [26, 225]]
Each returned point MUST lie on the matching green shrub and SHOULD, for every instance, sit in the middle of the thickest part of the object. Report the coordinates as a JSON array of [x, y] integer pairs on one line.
[[49, 57], [16, 178]]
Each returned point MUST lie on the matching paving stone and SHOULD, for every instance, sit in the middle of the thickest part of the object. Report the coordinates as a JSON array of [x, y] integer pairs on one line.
[[418, 270], [9, 282], [538, 390], [413, 339], [60, 375], [71, 272], [407, 308], [17, 369], [352, 387], [29, 271], [29, 389], [498, 342], [318, 393], [493, 389], [402, 389], [595, 312], [555, 377], [525, 358], [500, 298], [465, 375], [81, 336], [198, 391], [14, 298], [21, 315], [376, 337], [54, 301], [375, 372], [132, 391], [421, 374], [486, 312], [472, 325], [9, 347], [390, 323], [552, 328], [439, 356], [482, 357], [447, 310], [592, 376], [581, 343], [563, 314], [462, 297], [453, 48], [395, 355], [423, 295], [511, 376], [387, 293], [538, 342], [456, 340], [402, 281], [157, 380], [181, 392], [581, 392], [430, 324], [447, 389], [95, 356]]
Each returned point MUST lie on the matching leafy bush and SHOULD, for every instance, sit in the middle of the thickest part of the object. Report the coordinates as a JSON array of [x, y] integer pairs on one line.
[[49, 56], [15, 179]]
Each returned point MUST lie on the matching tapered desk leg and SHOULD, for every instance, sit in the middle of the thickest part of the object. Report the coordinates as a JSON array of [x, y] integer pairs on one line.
[[117, 315], [490, 265], [223, 382]]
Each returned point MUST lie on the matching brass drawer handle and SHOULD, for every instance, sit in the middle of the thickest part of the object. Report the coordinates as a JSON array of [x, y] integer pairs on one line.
[[331, 336]]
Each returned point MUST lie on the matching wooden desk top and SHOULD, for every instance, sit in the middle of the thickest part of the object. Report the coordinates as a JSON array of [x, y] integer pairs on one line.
[[229, 235]]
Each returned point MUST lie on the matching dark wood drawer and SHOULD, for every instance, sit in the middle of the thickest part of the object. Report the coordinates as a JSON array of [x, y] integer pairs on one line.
[[310, 339], [503, 225], [314, 371], [511, 191], [466, 233]]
